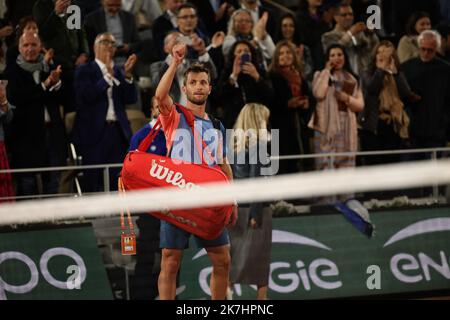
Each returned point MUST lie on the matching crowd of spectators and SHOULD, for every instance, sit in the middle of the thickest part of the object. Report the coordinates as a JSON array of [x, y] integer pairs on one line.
[[331, 82]]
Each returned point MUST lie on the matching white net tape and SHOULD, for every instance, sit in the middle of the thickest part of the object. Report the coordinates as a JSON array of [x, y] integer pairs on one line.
[[389, 177]]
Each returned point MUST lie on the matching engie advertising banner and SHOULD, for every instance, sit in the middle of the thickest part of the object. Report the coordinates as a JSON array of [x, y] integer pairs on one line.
[[324, 256]]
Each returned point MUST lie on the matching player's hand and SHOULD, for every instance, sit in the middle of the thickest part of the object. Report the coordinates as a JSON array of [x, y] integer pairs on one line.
[[179, 52]]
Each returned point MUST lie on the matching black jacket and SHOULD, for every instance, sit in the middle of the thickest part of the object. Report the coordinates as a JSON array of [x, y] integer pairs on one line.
[[68, 44], [95, 24], [368, 118], [231, 99], [27, 140], [287, 119], [161, 27], [430, 117]]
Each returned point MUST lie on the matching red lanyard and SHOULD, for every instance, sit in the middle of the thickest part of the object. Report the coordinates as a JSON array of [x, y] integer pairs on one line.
[[128, 240]]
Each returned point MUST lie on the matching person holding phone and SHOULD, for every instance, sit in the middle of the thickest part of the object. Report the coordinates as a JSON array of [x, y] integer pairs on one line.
[[242, 81], [334, 119]]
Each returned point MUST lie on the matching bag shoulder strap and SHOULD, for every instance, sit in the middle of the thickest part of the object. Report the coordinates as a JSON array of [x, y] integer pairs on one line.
[[215, 122], [147, 141], [190, 119]]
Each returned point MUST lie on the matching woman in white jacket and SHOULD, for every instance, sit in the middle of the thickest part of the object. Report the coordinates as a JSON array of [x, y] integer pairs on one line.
[[241, 27]]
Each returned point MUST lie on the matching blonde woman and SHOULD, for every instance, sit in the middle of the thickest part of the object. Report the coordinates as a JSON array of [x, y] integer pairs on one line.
[[251, 238], [241, 27]]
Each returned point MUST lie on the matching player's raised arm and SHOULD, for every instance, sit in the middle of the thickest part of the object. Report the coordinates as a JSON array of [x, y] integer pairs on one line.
[[165, 102]]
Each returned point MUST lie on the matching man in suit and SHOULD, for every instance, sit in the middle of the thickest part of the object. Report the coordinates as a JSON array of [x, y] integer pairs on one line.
[[70, 46], [158, 69], [165, 23], [87, 6], [37, 131], [111, 18], [101, 130], [215, 13]]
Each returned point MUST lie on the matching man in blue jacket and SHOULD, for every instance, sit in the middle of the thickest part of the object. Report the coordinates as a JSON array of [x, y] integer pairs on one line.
[[101, 130]]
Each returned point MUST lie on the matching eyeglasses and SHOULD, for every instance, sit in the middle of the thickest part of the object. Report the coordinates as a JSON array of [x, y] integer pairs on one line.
[[191, 16], [428, 50], [106, 42]]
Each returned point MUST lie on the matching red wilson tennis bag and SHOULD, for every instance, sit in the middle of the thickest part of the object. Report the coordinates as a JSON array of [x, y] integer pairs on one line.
[[143, 170]]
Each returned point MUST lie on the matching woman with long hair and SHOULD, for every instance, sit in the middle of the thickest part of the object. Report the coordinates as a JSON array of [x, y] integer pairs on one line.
[[290, 104], [287, 30], [242, 81], [408, 47], [339, 98], [251, 237], [384, 122]]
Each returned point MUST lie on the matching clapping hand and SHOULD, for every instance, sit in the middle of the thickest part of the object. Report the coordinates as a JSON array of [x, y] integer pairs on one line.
[[218, 39], [129, 65], [53, 78], [48, 55], [260, 27], [221, 12]]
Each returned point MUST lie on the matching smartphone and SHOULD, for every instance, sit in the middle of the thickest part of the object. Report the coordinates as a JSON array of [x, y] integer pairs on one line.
[[245, 57], [338, 85], [186, 40]]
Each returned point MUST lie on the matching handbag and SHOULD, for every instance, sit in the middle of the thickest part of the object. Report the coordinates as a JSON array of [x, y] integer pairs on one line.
[[143, 170]]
